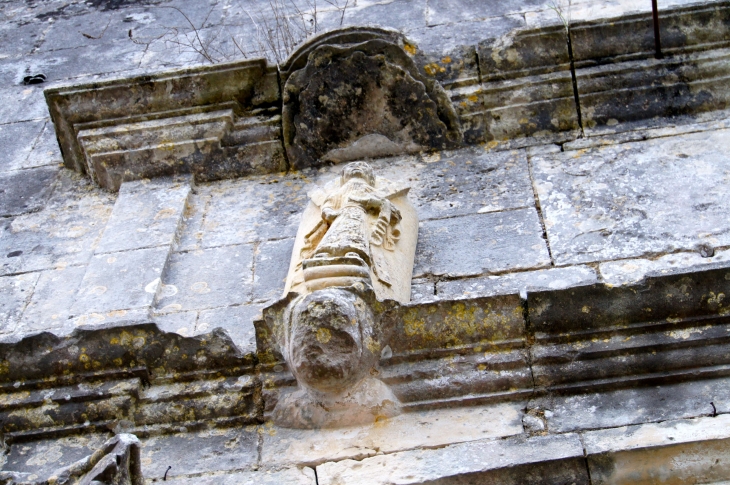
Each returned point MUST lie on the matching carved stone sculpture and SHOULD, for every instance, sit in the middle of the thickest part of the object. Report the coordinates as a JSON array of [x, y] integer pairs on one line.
[[351, 264], [117, 462], [359, 94]]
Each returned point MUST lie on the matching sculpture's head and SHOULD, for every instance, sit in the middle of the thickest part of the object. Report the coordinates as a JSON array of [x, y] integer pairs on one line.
[[361, 170], [332, 340]]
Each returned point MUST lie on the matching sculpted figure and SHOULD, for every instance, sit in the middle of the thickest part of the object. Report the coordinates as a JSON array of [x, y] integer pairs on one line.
[[351, 263]]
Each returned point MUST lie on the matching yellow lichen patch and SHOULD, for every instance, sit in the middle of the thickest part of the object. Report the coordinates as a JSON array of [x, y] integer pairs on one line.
[[473, 98], [323, 335], [372, 345], [410, 49], [433, 69], [586, 309], [491, 145], [446, 60]]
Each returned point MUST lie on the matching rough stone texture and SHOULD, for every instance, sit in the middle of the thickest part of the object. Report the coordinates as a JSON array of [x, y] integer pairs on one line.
[[42, 457], [622, 407], [481, 243], [25, 191], [214, 450], [236, 321], [52, 298], [542, 460], [271, 265], [253, 209], [632, 199], [687, 451], [146, 214], [116, 283], [64, 233], [17, 141], [207, 278], [293, 476], [629, 271], [429, 429], [554, 278], [16, 294]]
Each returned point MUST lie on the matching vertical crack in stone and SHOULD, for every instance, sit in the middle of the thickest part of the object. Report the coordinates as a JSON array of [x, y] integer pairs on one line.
[[574, 79], [538, 208]]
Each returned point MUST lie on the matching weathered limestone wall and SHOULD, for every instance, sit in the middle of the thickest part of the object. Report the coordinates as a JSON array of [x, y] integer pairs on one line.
[[604, 257]]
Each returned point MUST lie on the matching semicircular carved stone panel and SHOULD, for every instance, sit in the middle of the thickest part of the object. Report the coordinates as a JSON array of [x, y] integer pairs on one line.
[[363, 100]]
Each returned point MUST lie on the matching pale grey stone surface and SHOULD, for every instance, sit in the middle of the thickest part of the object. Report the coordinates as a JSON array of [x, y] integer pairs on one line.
[[120, 281], [430, 429], [17, 141], [627, 271], [207, 278], [292, 476], [65, 232], [481, 243], [52, 299], [488, 461], [446, 11], [26, 190], [146, 214], [271, 266], [15, 293], [237, 321], [252, 209], [684, 451], [633, 199], [553, 278], [22, 103], [45, 149], [203, 452], [181, 323], [624, 407]]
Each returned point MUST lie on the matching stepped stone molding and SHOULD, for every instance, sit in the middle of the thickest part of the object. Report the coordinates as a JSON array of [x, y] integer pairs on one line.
[[215, 122]]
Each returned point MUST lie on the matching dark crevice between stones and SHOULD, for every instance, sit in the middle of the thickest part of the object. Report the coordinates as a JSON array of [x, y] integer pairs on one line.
[[529, 337], [316, 478], [585, 459], [279, 83], [538, 208], [574, 80]]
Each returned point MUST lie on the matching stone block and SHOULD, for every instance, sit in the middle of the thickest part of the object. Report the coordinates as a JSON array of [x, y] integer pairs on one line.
[[237, 321], [181, 323], [271, 266], [191, 228], [425, 429], [461, 182], [52, 299], [542, 460], [292, 476], [450, 12], [210, 450], [481, 243], [422, 290], [553, 278], [119, 282], [403, 16], [208, 278], [15, 293], [23, 103], [65, 233], [45, 150], [632, 199], [44, 456], [628, 271], [146, 214], [25, 190], [685, 451], [253, 209], [16, 141], [623, 407]]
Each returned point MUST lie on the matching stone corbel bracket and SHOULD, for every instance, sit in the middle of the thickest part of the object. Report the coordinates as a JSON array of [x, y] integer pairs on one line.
[[357, 93], [215, 122]]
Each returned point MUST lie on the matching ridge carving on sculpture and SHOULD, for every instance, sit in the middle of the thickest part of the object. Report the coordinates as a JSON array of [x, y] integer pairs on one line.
[[351, 266]]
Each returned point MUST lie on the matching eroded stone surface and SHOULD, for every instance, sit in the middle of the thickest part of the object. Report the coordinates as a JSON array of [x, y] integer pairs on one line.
[[293, 476], [17, 140], [26, 190], [408, 431], [214, 450], [633, 199], [481, 243], [629, 271], [52, 299], [549, 459], [15, 294], [271, 265], [236, 321], [554, 278], [146, 214], [624, 407], [207, 278]]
